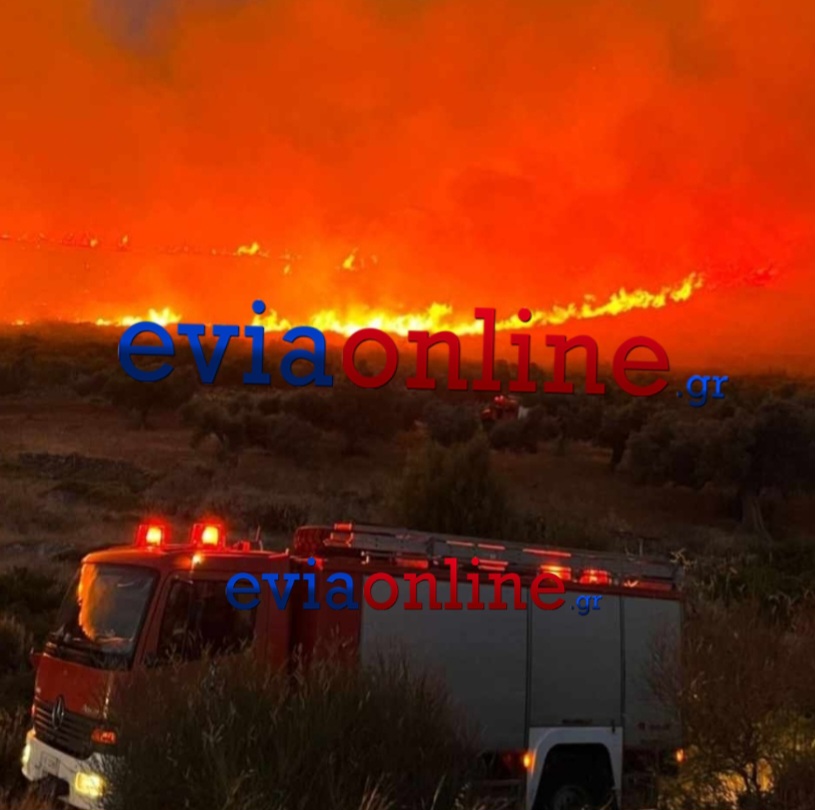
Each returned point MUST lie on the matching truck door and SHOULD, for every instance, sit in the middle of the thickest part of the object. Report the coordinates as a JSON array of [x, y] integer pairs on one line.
[[197, 618]]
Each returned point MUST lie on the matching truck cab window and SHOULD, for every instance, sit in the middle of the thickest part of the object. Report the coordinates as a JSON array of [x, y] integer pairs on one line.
[[173, 632], [198, 619]]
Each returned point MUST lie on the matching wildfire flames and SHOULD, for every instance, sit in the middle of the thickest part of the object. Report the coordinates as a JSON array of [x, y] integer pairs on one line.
[[88, 241], [408, 162], [163, 317], [440, 317], [351, 262], [618, 303]]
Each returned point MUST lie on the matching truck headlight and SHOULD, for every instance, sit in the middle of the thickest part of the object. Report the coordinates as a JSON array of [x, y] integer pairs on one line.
[[26, 755], [91, 785]]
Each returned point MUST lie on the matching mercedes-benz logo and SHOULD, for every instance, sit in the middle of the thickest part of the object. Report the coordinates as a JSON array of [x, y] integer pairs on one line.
[[58, 713]]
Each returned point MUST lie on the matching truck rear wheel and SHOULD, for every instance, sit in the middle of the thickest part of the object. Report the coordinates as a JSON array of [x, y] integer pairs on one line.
[[576, 777], [570, 796]]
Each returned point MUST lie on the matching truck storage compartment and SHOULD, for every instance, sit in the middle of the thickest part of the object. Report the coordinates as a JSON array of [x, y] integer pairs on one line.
[[481, 654], [576, 666], [650, 625]]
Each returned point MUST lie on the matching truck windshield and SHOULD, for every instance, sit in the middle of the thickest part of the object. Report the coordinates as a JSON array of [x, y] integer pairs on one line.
[[102, 614]]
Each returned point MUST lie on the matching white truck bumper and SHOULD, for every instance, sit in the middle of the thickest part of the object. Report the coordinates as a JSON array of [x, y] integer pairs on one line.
[[83, 776]]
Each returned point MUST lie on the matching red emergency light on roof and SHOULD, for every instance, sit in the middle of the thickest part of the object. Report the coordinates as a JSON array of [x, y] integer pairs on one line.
[[208, 535], [151, 535], [562, 571], [594, 576]]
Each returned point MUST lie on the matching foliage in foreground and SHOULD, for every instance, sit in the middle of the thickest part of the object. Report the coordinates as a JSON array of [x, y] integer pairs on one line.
[[745, 688], [13, 727], [332, 735]]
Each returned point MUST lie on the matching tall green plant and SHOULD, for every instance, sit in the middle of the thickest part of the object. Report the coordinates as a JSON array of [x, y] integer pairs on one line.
[[453, 490]]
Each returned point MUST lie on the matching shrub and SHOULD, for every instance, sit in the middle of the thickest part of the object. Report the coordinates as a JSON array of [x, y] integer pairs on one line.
[[179, 491], [213, 418], [28, 800], [14, 644], [285, 435], [518, 435], [567, 522], [113, 495], [25, 511], [88, 384], [753, 451], [618, 423], [13, 727], [794, 786], [453, 491], [142, 399], [449, 424], [250, 508], [732, 656], [240, 738], [16, 677], [86, 468], [13, 378], [269, 404], [311, 406], [364, 415], [26, 592]]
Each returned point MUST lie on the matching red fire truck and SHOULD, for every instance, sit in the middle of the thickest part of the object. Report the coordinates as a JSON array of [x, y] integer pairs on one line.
[[502, 408], [560, 697]]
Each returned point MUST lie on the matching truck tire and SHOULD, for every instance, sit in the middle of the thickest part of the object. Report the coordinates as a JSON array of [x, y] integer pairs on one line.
[[570, 796]]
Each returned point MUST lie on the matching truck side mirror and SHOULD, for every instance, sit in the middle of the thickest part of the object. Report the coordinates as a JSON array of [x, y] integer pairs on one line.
[[34, 658]]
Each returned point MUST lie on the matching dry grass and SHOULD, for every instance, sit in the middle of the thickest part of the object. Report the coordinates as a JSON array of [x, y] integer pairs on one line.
[[574, 497], [574, 493], [29, 800], [335, 735], [13, 726]]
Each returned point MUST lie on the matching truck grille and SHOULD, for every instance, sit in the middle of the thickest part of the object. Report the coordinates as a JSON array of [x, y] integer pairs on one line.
[[73, 735]]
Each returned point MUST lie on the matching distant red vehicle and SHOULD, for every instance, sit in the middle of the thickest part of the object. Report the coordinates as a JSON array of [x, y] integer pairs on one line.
[[502, 408]]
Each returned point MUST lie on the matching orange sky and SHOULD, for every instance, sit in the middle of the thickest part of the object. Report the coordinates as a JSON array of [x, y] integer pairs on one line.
[[487, 154]]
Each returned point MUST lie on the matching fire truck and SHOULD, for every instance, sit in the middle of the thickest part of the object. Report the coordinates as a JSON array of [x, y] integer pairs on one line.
[[561, 698], [502, 408]]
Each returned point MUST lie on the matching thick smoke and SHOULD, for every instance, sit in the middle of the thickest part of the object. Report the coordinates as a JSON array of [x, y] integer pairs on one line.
[[506, 154]]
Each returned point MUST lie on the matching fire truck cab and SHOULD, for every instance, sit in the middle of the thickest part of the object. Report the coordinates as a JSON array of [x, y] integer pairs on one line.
[[560, 696]]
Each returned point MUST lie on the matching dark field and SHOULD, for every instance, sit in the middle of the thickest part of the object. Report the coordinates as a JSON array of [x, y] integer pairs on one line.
[[727, 488]]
